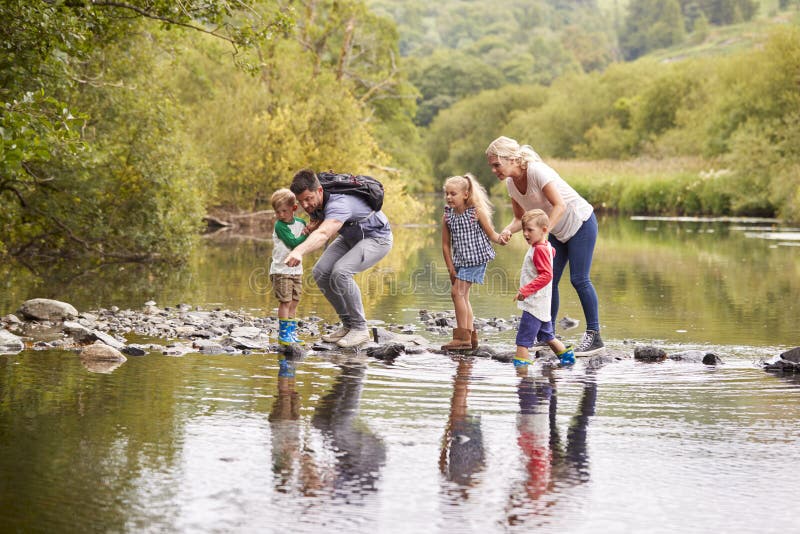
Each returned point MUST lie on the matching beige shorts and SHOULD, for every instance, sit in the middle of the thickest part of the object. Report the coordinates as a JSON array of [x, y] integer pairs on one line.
[[288, 287]]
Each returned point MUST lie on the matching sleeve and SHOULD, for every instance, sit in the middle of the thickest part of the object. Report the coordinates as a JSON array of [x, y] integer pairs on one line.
[[545, 269], [542, 175], [338, 209], [285, 234]]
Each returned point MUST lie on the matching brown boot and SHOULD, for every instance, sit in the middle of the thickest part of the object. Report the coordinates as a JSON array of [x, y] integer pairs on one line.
[[461, 340], [473, 338]]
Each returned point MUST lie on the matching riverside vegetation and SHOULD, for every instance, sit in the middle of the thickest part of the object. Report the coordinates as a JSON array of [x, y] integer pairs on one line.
[[123, 123]]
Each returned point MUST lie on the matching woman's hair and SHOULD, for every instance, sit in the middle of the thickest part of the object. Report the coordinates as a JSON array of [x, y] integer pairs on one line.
[[506, 148], [476, 194], [282, 197], [536, 216]]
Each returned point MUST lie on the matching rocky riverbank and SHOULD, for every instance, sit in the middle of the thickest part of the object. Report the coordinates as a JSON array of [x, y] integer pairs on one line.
[[105, 337]]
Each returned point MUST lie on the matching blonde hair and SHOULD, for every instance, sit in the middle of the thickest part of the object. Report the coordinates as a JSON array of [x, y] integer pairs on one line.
[[536, 216], [476, 194], [506, 148], [282, 197]]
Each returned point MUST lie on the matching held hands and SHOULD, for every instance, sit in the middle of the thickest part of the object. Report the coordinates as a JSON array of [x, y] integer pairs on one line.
[[311, 226], [293, 259], [505, 236]]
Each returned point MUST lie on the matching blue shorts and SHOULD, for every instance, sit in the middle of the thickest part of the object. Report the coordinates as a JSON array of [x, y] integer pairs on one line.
[[531, 328], [471, 273]]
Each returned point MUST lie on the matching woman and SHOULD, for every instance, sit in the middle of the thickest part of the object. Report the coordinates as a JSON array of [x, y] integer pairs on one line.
[[534, 184]]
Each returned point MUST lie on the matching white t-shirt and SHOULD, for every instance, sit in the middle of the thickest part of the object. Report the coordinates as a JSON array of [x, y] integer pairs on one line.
[[539, 175]]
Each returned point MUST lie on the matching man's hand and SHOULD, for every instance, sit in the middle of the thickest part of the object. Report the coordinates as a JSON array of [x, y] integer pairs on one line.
[[293, 259]]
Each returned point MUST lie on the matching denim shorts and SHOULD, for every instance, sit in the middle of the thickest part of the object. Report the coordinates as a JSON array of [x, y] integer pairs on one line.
[[532, 329], [471, 273]]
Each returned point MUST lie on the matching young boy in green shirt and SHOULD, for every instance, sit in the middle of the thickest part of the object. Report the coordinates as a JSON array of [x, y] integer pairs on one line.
[[286, 281]]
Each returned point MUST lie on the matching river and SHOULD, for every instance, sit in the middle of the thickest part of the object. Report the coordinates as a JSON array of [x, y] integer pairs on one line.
[[430, 443]]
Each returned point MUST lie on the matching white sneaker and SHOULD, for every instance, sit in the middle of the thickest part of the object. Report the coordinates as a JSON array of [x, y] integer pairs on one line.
[[354, 338], [335, 336]]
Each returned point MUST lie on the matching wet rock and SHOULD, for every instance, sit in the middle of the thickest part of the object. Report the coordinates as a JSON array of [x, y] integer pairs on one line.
[[100, 352], [10, 319], [649, 354], [293, 351], [109, 340], [245, 343], [134, 350], [245, 331], [47, 310], [9, 343], [176, 350], [696, 356], [792, 355], [77, 331], [783, 366], [386, 352]]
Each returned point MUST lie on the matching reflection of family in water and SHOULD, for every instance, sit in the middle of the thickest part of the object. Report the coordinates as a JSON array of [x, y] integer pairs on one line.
[[549, 461], [552, 466], [336, 455], [352, 454]]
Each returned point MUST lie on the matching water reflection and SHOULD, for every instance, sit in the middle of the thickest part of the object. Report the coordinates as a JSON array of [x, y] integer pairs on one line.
[[552, 467], [462, 454], [293, 463], [359, 453]]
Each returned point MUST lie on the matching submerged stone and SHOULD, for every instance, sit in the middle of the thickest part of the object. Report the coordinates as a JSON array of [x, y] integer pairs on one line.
[[649, 354], [9, 343]]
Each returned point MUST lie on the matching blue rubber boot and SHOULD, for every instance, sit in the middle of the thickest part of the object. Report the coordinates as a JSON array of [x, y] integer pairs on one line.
[[284, 337], [285, 368], [567, 356], [293, 332]]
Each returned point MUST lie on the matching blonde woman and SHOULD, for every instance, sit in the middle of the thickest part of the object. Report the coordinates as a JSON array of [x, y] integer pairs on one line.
[[533, 184]]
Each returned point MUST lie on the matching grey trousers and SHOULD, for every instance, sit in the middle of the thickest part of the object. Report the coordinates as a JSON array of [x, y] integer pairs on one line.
[[334, 275]]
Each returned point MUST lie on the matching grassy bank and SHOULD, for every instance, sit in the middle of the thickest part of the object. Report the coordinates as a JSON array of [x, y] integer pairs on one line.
[[645, 186]]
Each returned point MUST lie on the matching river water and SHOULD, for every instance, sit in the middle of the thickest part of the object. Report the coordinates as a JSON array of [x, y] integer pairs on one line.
[[430, 443]]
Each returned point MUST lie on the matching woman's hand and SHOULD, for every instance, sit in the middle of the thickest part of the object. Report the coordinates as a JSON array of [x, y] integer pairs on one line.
[[452, 277], [505, 236]]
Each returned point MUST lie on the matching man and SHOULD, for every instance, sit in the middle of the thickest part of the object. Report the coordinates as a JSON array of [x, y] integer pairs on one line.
[[365, 237]]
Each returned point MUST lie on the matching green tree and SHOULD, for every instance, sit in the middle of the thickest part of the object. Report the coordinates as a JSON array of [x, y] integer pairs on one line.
[[651, 24]]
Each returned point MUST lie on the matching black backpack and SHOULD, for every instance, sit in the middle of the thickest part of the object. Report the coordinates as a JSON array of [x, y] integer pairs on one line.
[[365, 187]]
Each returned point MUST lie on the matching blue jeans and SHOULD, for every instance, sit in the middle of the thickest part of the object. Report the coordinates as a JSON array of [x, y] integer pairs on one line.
[[334, 275], [578, 251]]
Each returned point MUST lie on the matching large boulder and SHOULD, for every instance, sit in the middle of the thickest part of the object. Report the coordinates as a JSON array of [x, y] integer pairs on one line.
[[100, 352], [9, 343], [47, 310]]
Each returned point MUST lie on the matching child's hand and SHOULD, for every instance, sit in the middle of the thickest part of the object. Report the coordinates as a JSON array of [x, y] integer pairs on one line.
[[519, 296], [312, 225], [505, 236]]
